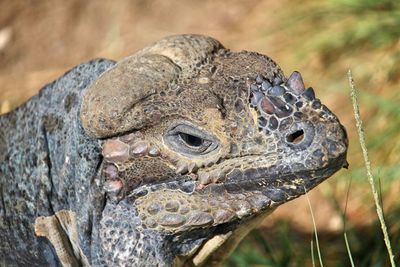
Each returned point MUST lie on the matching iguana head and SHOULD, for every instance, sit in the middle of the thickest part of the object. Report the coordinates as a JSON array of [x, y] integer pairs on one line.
[[197, 140]]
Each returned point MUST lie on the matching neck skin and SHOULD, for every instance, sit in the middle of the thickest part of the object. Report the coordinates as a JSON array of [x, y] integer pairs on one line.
[[122, 240], [48, 164]]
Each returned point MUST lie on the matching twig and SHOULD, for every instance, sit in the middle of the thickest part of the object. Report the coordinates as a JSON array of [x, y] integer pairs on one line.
[[367, 162]]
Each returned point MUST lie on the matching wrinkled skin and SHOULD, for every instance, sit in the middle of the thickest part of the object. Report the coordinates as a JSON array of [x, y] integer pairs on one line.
[[168, 157]]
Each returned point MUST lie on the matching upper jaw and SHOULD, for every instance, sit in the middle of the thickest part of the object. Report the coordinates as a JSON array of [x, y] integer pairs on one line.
[[291, 174], [258, 193], [280, 185]]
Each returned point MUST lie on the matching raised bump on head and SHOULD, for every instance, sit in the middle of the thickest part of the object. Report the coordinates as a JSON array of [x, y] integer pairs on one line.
[[112, 104]]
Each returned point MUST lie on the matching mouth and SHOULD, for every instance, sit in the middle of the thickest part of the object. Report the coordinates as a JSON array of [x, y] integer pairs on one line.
[[278, 183], [180, 205]]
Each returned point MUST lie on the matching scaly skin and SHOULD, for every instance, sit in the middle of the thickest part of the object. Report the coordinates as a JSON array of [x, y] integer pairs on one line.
[[166, 158]]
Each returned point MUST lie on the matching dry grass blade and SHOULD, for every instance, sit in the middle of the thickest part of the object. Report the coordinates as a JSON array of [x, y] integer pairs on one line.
[[315, 232], [348, 249], [312, 253], [344, 225], [367, 163]]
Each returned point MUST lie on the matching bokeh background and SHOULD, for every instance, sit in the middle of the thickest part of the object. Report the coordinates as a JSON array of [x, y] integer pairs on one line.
[[40, 40]]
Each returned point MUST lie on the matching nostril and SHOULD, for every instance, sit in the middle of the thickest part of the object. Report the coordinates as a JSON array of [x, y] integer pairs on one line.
[[295, 137], [300, 136]]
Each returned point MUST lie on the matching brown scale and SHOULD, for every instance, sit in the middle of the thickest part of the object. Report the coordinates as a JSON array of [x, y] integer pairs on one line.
[[131, 161]]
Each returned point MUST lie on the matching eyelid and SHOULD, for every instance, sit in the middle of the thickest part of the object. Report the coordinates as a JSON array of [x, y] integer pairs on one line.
[[174, 140], [182, 136], [181, 128], [205, 145]]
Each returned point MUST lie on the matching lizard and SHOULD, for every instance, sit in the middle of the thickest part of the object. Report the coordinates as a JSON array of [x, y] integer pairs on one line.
[[168, 157]]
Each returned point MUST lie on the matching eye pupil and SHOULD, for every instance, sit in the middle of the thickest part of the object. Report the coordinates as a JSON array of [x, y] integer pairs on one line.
[[191, 140]]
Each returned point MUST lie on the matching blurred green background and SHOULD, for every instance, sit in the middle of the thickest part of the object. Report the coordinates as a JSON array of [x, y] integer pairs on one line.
[[40, 40]]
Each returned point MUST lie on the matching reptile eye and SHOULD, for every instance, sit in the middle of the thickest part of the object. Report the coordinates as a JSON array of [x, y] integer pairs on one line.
[[189, 140]]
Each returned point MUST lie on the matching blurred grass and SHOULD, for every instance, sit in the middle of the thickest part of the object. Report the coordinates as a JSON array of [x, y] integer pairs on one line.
[[284, 246]]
